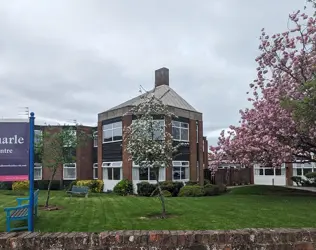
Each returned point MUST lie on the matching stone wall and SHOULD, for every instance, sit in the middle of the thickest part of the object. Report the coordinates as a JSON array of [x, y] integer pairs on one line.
[[246, 239]]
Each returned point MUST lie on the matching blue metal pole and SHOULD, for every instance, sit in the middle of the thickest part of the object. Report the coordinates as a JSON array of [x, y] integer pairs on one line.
[[31, 192]]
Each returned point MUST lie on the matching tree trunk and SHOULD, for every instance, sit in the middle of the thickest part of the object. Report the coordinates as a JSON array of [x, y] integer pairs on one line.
[[161, 197], [50, 184]]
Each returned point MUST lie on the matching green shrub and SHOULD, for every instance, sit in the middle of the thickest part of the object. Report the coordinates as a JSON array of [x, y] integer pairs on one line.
[[191, 191], [145, 188], [172, 187], [298, 180], [18, 186], [5, 185], [95, 186], [211, 190], [206, 181], [166, 193], [222, 188], [123, 188], [191, 183]]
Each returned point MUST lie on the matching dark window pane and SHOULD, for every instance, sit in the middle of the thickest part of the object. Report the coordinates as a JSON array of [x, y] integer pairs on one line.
[[143, 174], [116, 173], [117, 134], [269, 171], [184, 125], [175, 123], [278, 171], [107, 135], [184, 134], [261, 171], [110, 172], [176, 133], [307, 170], [176, 173], [299, 171], [152, 175]]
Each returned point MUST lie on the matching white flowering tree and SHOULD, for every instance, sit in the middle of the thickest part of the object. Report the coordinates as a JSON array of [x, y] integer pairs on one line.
[[148, 143]]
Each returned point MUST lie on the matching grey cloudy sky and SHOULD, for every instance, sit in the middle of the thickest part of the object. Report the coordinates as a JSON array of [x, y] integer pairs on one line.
[[69, 60]]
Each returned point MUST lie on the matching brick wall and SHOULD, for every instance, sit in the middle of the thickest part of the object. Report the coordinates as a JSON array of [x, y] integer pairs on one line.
[[193, 150], [84, 157], [245, 239], [127, 164]]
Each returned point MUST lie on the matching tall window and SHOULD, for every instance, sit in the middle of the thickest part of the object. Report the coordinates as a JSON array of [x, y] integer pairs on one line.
[[112, 170], [180, 170], [180, 131], [112, 132], [70, 171], [95, 171], [37, 171], [95, 139]]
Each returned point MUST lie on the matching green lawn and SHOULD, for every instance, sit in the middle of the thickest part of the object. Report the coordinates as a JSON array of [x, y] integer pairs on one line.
[[243, 207]]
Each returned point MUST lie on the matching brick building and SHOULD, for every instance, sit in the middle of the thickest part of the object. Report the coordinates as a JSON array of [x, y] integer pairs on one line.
[[113, 160], [80, 169], [104, 156]]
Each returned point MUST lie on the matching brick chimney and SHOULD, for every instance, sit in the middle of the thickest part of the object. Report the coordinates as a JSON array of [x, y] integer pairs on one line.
[[161, 77]]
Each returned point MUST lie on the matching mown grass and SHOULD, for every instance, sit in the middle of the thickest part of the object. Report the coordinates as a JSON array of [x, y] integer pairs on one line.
[[243, 207]]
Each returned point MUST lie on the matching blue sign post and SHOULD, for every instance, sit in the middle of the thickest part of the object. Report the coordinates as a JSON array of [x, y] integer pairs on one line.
[[31, 175]]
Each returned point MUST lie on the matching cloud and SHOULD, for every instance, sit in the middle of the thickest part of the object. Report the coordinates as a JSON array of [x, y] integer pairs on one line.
[[69, 60]]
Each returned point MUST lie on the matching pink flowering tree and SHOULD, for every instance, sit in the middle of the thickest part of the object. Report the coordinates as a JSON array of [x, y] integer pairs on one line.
[[272, 132]]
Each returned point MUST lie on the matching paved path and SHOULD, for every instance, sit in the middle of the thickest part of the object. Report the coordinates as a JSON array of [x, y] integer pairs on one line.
[[311, 189]]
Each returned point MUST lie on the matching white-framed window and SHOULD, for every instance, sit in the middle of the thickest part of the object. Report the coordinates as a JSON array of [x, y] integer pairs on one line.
[[302, 168], [95, 139], [112, 132], [38, 171], [70, 171], [147, 173], [158, 129], [112, 170], [72, 137], [37, 136], [95, 171], [180, 131], [265, 171], [180, 170]]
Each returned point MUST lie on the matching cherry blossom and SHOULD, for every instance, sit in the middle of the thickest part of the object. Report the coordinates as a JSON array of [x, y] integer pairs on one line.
[[267, 133]]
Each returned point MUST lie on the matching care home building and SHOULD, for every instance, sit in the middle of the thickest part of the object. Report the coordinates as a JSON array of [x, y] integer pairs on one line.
[[104, 156], [113, 160]]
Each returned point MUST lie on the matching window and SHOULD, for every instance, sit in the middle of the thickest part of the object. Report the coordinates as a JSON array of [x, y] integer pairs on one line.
[[258, 171], [180, 131], [37, 136], [37, 171], [180, 170], [112, 170], [95, 171], [112, 132], [95, 139], [159, 129], [268, 171], [146, 174], [70, 171], [280, 171], [72, 138]]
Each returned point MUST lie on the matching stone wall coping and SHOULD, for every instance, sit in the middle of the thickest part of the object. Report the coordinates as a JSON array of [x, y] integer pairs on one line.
[[263, 239]]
